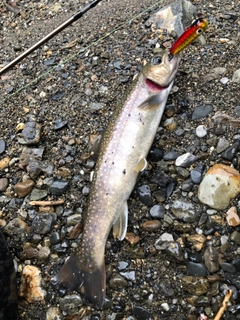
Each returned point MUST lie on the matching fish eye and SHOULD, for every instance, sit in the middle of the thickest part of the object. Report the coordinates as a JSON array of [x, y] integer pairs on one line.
[[156, 60], [199, 31]]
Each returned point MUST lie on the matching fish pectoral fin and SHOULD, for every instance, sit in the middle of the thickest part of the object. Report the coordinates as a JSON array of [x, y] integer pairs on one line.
[[151, 103], [120, 225], [141, 165], [95, 148]]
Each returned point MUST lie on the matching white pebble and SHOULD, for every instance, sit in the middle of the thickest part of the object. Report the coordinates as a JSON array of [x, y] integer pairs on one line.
[[165, 306], [201, 131], [224, 80]]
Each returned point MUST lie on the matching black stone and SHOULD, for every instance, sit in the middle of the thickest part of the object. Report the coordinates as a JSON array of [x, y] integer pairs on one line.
[[157, 211], [155, 154], [201, 111], [230, 152], [144, 193], [58, 187], [2, 146], [171, 155], [196, 269], [197, 173], [228, 267], [59, 124], [141, 314]]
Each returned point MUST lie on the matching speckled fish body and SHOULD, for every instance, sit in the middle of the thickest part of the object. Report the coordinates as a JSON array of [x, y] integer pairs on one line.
[[124, 147]]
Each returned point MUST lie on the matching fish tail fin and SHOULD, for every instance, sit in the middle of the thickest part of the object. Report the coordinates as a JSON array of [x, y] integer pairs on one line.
[[70, 278]]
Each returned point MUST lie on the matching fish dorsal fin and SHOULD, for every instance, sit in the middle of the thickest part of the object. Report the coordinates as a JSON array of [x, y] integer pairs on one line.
[[151, 103], [141, 165], [120, 225]]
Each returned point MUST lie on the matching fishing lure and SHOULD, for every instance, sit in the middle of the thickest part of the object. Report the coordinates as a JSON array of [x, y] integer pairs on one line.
[[191, 33]]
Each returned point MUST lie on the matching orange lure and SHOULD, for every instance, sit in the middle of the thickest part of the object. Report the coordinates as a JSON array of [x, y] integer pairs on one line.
[[190, 34]]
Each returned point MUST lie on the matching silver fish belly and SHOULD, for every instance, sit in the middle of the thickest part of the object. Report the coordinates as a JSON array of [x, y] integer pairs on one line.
[[123, 152]]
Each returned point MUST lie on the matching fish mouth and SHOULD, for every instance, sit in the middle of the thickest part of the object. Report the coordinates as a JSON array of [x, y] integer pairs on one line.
[[153, 86]]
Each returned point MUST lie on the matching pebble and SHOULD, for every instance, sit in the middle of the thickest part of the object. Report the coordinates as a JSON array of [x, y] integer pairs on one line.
[[17, 228], [236, 76], [38, 194], [42, 223], [132, 238], [219, 185], [141, 314], [228, 267], [151, 225], [129, 275], [31, 133], [30, 287], [182, 227], [157, 211], [59, 124], [3, 184], [174, 250], [74, 219], [197, 173], [22, 189], [195, 285], [183, 210], [118, 282], [70, 304], [196, 269], [224, 80], [201, 112], [186, 160], [201, 131], [53, 313], [4, 163], [222, 145], [233, 217], [197, 241], [210, 257], [2, 146], [155, 154], [231, 151], [235, 236], [59, 187], [171, 155], [144, 193]]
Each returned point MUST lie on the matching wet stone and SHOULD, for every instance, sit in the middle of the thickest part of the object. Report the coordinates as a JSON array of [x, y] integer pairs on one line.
[[201, 111], [231, 152], [129, 275], [22, 189], [74, 219], [42, 223], [38, 194], [118, 282], [31, 133], [144, 193], [186, 160], [70, 304], [197, 173], [196, 269], [171, 155], [222, 145], [122, 265], [132, 238], [59, 124], [183, 211], [210, 257], [155, 154], [17, 228], [202, 301], [194, 257], [3, 184], [235, 236], [151, 225], [182, 172], [2, 146], [195, 285], [157, 211], [30, 154], [228, 267], [58, 187], [182, 227], [55, 238], [197, 241], [174, 250], [141, 314], [187, 185]]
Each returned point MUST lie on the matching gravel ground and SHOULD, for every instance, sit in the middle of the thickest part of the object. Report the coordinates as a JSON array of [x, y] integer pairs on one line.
[[72, 103]]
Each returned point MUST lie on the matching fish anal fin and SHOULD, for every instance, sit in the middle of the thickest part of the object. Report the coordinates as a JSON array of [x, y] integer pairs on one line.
[[141, 165], [90, 283], [69, 277], [151, 103], [120, 225]]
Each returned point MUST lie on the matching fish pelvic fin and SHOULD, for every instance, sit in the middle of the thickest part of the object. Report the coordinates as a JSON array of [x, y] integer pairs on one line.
[[120, 225], [152, 102], [90, 283]]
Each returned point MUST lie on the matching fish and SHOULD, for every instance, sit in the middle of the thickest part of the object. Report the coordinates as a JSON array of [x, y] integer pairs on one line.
[[122, 156], [189, 35]]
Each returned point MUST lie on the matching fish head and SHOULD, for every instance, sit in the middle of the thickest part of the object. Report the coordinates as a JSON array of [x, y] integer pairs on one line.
[[161, 71]]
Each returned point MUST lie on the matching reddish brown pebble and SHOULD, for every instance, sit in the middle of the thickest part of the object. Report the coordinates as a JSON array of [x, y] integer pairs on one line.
[[4, 163], [132, 238], [232, 217], [76, 230], [151, 225], [22, 189]]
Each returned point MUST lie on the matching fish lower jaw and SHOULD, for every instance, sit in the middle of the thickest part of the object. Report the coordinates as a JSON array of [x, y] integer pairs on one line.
[[153, 86]]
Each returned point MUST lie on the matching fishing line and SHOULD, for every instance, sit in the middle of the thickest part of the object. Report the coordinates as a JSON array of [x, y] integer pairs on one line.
[[79, 52]]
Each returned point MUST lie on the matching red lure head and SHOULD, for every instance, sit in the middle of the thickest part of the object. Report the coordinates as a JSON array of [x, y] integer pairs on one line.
[[191, 33]]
